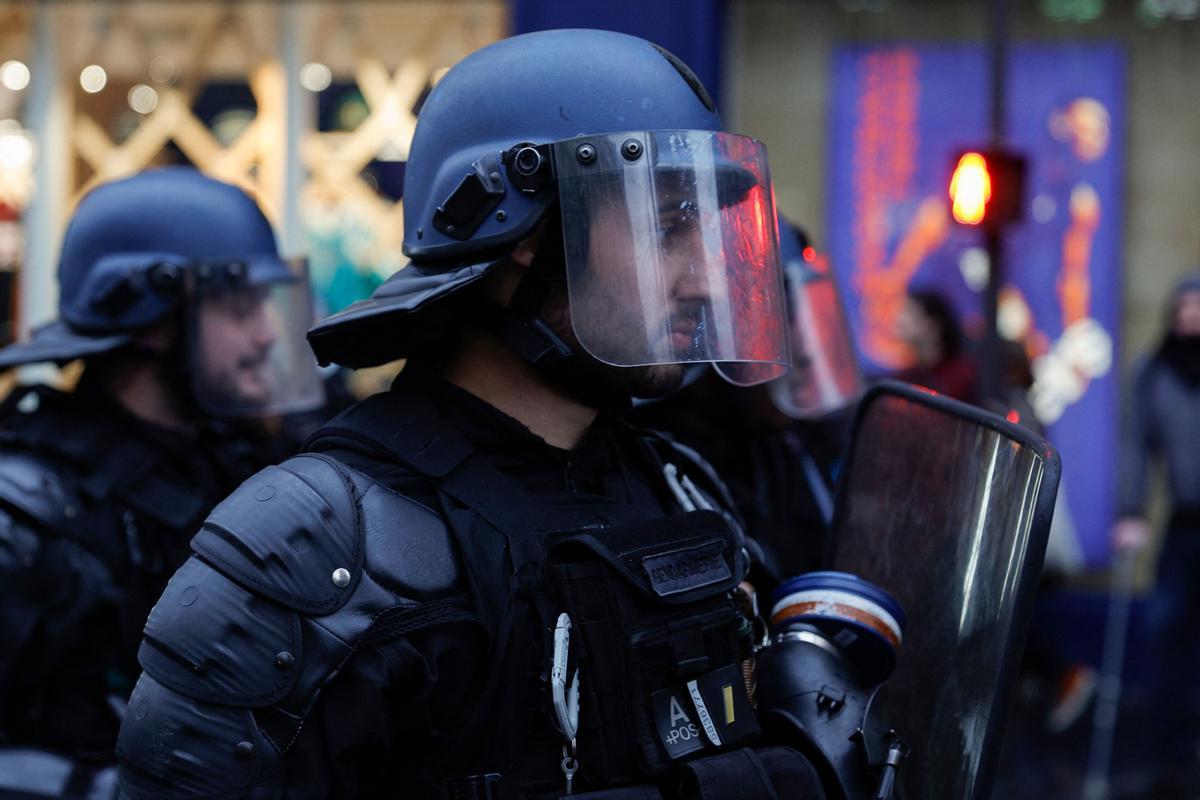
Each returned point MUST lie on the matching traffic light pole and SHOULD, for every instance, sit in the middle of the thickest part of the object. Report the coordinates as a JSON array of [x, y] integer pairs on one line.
[[990, 372]]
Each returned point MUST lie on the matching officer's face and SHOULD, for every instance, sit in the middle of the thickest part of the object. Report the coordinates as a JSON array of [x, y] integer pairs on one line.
[[236, 334], [627, 315]]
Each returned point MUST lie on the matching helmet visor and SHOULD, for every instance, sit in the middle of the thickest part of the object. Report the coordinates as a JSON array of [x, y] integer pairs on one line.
[[672, 251], [248, 351], [824, 377]]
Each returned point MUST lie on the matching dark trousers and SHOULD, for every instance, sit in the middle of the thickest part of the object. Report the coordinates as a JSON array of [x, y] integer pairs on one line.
[[1173, 623]]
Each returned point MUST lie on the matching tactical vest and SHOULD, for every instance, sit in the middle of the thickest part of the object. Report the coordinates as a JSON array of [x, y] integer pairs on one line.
[[103, 490], [657, 643], [96, 515]]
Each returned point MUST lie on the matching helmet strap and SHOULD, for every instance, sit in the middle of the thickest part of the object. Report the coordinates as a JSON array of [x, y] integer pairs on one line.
[[531, 339], [173, 365]]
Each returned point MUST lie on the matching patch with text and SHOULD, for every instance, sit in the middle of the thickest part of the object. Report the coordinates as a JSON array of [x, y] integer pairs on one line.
[[687, 568]]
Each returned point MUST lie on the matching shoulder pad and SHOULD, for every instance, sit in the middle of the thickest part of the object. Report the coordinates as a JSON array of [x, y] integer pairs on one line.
[[292, 533], [409, 549], [34, 419], [172, 745], [291, 573], [210, 639], [35, 487]]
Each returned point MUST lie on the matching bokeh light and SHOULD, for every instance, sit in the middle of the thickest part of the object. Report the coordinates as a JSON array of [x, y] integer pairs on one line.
[[315, 76], [143, 99], [93, 78], [14, 75], [161, 69]]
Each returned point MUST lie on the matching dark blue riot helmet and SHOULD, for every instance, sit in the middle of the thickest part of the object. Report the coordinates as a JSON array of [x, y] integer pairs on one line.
[[175, 244], [667, 223]]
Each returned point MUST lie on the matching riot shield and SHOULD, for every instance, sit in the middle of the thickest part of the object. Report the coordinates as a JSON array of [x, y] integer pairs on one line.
[[947, 507]]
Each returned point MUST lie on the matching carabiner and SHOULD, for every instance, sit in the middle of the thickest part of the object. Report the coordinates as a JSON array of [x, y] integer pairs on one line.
[[564, 695]]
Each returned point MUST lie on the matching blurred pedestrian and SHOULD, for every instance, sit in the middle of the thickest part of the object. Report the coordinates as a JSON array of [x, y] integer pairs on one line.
[[1163, 408], [930, 329]]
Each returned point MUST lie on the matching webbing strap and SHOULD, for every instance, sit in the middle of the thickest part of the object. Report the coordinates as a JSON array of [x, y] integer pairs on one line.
[[403, 620], [407, 427]]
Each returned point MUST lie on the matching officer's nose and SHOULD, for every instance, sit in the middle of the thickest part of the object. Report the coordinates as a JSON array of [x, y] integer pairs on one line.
[[262, 330], [695, 281]]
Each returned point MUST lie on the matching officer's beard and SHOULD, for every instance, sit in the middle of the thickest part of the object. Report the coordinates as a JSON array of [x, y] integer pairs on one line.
[[654, 380], [165, 364], [542, 293]]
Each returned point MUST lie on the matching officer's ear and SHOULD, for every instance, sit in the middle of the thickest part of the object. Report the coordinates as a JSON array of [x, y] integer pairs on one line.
[[504, 278], [527, 248], [158, 338]]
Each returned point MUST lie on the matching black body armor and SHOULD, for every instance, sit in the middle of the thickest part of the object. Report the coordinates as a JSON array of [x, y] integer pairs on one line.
[[96, 510], [395, 526]]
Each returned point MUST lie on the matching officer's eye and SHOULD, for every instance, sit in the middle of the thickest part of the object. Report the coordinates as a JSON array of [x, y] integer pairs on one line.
[[676, 221], [242, 304]]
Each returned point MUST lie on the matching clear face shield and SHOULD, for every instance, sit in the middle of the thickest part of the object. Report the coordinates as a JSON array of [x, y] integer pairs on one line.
[[825, 376], [246, 342], [672, 252]]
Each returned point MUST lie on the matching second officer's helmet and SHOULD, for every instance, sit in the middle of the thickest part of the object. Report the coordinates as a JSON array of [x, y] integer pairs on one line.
[[825, 378], [668, 223], [174, 246]]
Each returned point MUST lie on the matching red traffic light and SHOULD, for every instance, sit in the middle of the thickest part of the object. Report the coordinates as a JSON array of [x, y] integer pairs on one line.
[[986, 187], [970, 189]]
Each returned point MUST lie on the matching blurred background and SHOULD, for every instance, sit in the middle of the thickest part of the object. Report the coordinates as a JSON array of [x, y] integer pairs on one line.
[[865, 106]]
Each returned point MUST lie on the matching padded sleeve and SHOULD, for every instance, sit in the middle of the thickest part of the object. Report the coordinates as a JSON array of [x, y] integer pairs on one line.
[[309, 580]]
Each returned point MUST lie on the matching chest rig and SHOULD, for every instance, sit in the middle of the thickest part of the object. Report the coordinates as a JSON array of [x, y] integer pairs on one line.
[[616, 647], [102, 489]]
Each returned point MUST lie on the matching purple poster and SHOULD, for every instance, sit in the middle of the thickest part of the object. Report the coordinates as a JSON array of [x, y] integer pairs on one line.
[[900, 113]]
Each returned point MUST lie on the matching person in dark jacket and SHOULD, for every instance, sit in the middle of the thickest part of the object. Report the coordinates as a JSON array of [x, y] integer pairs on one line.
[[930, 328], [1163, 406]]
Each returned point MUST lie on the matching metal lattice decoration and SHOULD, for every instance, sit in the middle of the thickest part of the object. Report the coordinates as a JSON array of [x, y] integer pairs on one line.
[[141, 84]]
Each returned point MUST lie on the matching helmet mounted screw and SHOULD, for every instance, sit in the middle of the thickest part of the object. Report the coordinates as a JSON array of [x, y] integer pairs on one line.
[[586, 153], [165, 277], [631, 149], [501, 216]]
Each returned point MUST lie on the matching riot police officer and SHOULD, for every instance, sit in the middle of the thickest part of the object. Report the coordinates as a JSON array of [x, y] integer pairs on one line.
[[174, 296], [483, 583]]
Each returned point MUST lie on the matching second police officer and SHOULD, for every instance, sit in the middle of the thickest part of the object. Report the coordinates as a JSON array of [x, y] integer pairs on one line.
[[175, 298], [483, 583]]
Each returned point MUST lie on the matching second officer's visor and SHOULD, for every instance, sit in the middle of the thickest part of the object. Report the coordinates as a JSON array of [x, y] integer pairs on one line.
[[246, 338], [672, 252]]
